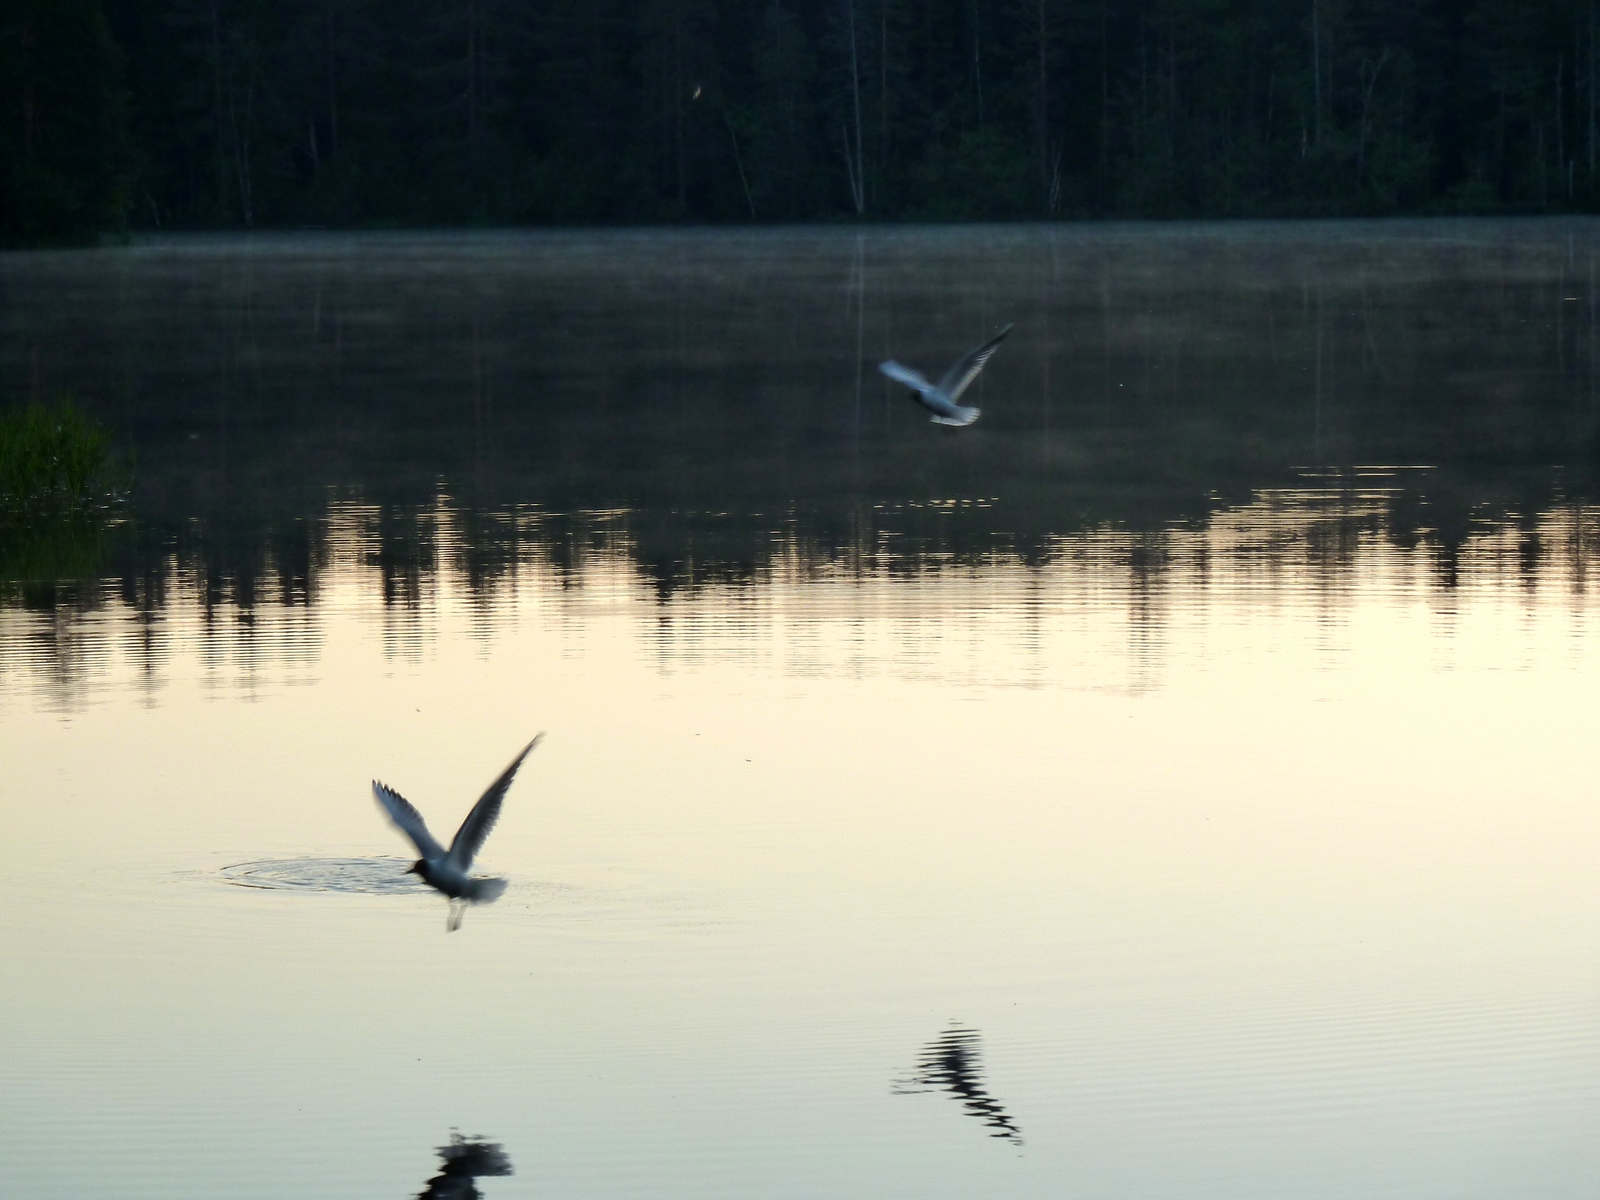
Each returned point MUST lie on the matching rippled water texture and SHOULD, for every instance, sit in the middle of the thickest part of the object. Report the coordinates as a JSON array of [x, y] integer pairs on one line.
[[1178, 784], [366, 876]]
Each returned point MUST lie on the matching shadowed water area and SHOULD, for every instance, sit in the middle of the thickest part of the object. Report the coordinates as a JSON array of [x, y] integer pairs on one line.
[[1206, 733]]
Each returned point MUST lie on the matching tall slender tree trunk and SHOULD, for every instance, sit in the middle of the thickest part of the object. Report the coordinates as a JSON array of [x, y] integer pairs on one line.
[[219, 119], [1561, 134], [853, 162], [1316, 75], [1144, 80], [738, 161], [1105, 109], [1042, 133], [333, 83], [977, 62], [678, 85], [243, 167], [474, 70], [1172, 95], [1544, 169], [1500, 140], [883, 93], [1369, 85], [29, 115], [1266, 130]]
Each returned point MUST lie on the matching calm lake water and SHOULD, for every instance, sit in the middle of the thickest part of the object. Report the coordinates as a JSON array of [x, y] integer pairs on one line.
[[1180, 783]]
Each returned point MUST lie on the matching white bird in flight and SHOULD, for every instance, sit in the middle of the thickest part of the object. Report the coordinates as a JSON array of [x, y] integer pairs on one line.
[[941, 399], [446, 870]]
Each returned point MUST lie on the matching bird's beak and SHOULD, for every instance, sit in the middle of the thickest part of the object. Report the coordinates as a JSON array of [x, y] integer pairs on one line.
[[412, 869]]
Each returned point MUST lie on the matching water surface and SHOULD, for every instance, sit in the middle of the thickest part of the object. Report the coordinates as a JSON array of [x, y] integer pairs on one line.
[[1178, 784]]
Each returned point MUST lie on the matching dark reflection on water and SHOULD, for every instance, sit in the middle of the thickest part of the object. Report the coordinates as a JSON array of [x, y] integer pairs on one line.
[[708, 575], [464, 1162], [487, 414], [953, 1062]]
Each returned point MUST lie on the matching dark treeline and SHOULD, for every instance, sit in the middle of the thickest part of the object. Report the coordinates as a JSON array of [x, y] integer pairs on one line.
[[240, 113]]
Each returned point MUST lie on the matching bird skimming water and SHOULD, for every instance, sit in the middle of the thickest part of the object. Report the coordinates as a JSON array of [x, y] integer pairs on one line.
[[446, 870], [941, 399]]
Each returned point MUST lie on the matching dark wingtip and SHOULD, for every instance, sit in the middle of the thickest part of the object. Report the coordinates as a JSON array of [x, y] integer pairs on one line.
[[525, 751]]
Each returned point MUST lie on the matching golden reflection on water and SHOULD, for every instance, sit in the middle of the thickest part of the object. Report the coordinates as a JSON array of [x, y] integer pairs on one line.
[[1105, 608], [1259, 849]]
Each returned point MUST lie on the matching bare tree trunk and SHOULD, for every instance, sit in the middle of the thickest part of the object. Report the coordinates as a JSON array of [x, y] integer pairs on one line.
[[1105, 110], [883, 91], [217, 117], [1172, 94], [241, 151], [333, 85], [1043, 130], [1544, 170], [29, 116], [1561, 134], [977, 62], [1316, 74], [1144, 81], [474, 37], [1369, 85], [852, 172], [677, 108], [854, 165], [1591, 93], [1500, 139], [738, 158], [1266, 128]]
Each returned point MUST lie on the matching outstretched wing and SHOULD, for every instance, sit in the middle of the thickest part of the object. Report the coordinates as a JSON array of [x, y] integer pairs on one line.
[[469, 838], [905, 375], [408, 819], [959, 415], [966, 367]]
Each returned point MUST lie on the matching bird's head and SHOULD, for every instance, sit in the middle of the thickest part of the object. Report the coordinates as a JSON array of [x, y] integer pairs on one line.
[[415, 868]]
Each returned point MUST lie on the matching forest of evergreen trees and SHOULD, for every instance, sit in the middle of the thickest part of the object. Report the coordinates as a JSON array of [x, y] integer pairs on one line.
[[180, 114]]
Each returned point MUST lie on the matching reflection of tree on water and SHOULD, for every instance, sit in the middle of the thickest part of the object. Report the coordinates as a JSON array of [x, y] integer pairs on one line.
[[41, 550], [260, 601], [953, 1063], [464, 1161]]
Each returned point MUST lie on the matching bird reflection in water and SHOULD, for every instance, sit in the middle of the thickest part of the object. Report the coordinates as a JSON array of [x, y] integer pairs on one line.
[[953, 1063], [464, 1161]]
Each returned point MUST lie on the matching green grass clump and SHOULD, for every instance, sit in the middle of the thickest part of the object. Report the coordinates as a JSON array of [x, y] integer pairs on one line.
[[55, 457]]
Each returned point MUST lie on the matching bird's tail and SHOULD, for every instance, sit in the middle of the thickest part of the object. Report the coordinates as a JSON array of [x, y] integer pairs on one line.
[[486, 891]]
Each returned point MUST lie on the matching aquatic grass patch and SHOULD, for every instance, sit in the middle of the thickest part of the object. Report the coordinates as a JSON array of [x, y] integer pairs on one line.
[[62, 485], [55, 457]]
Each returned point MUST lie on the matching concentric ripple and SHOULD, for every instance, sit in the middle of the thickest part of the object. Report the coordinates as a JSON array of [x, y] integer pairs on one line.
[[361, 876]]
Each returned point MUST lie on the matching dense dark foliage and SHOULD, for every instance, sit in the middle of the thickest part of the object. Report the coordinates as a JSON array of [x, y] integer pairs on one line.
[[288, 112], [63, 128]]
